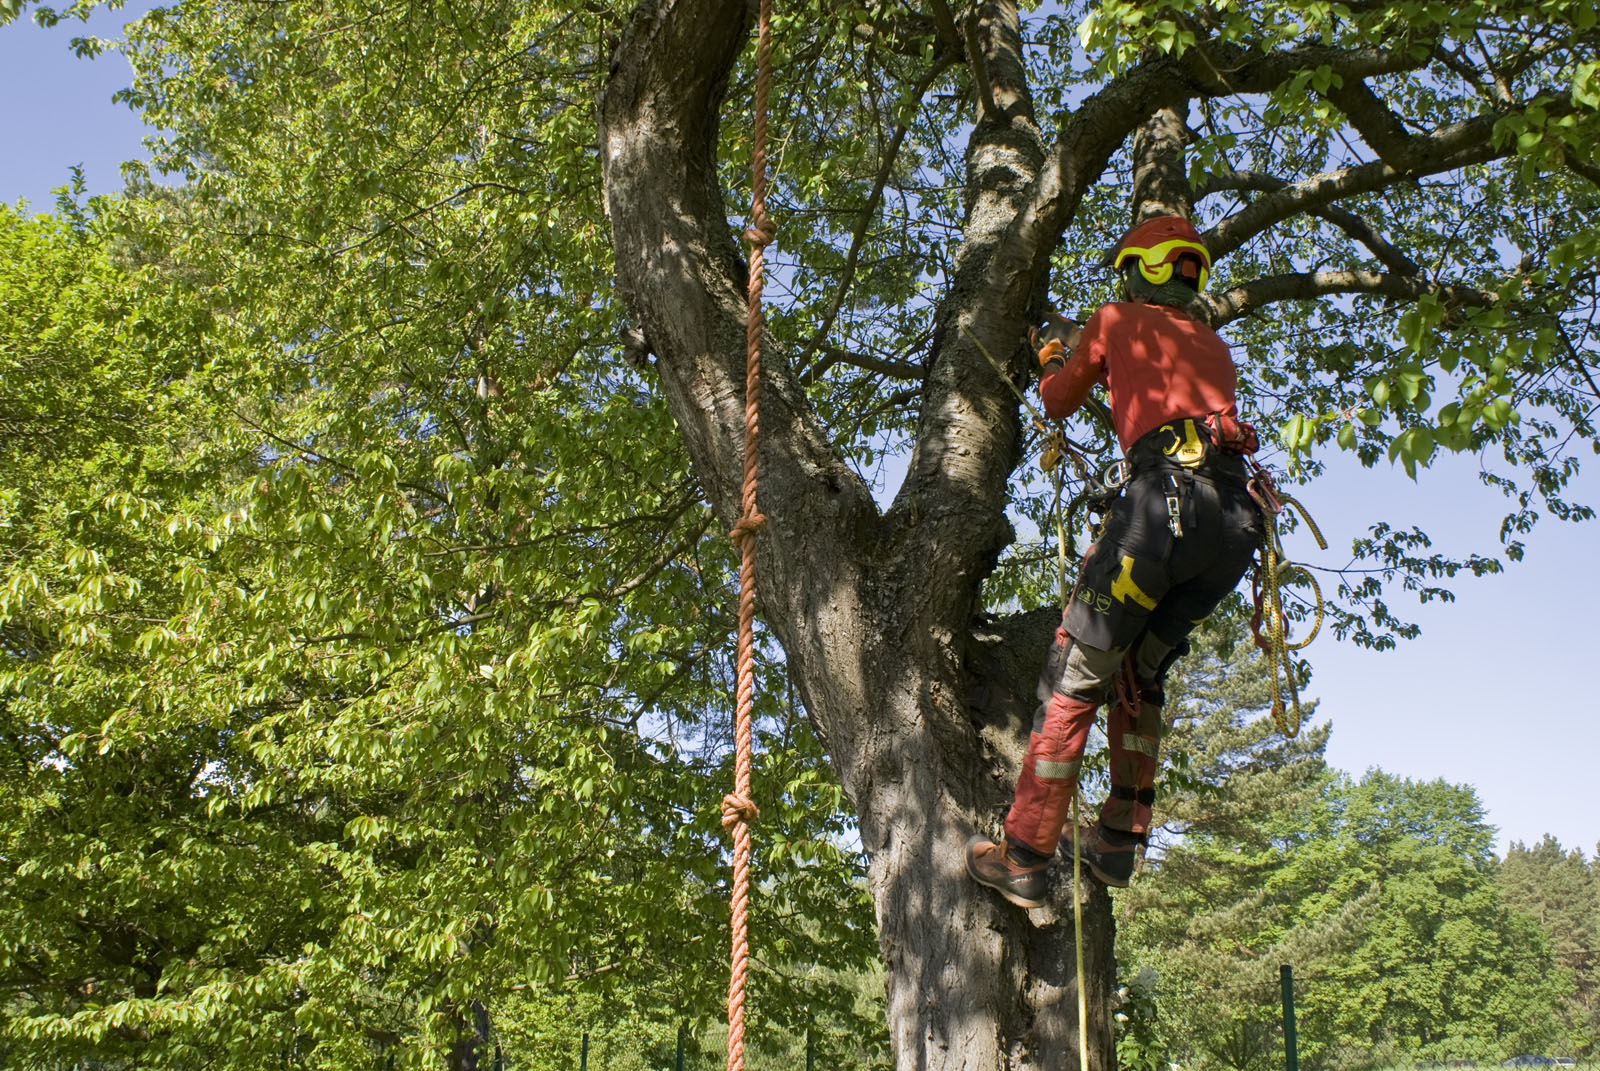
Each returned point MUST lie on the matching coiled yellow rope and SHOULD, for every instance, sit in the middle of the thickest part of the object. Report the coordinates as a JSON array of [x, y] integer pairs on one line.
[[1270, 579]]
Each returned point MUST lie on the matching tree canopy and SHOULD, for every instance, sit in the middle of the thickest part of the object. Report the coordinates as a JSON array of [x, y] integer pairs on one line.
[[365, 599]]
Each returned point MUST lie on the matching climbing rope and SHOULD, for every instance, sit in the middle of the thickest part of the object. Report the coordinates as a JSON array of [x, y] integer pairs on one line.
[[738, 810], [1271, 575]]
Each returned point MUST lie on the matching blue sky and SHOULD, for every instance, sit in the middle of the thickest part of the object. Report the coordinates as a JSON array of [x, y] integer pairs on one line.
[[58, 111], [1495, 693]]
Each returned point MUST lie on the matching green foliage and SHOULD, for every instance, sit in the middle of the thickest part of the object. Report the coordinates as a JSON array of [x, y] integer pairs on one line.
[[339, 708], [365, 634], [1561, 892], [1140, 1046], [365, 657], [1382, 895], [1408, 942]]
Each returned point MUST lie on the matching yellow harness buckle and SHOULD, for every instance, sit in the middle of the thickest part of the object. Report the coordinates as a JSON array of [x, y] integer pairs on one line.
[[1187, 448]]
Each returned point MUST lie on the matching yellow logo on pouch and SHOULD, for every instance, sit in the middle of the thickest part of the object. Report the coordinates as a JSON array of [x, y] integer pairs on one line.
[[1123, 588]]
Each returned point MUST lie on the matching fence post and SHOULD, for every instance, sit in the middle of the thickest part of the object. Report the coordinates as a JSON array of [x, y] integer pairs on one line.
[[583, 1056], [810, 1048], [683, 1028], [1291, 1044]]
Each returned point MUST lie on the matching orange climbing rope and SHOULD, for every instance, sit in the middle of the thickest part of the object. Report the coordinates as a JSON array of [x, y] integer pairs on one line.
[[738, 810]]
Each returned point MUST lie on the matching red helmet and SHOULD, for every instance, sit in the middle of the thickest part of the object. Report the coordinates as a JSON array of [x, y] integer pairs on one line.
[[1160, 243]]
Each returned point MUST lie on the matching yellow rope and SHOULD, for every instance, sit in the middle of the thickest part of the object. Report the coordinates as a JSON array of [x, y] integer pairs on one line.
[[1270, 578], [1077, 936], [1039, 419], [1278, 647]]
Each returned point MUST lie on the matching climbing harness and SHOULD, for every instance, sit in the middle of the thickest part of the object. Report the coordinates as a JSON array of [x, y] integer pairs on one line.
[[1272, 574], [738, 811]]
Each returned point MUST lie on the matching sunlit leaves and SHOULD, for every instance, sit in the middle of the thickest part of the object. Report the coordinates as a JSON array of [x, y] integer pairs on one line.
[[409, 626], [1344, 879], [366, 631]]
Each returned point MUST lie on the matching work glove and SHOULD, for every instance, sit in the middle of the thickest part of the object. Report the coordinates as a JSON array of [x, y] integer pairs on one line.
[[1054, 340]]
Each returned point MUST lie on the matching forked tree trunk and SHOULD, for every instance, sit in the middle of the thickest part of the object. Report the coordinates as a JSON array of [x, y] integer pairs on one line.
[[924, 715]]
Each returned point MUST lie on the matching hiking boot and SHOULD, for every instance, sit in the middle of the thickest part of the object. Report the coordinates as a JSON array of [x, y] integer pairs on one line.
[[1110, 854], [997, 865]]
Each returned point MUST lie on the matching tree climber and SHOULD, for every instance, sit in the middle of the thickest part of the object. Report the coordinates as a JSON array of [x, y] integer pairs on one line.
[[1174, 544]]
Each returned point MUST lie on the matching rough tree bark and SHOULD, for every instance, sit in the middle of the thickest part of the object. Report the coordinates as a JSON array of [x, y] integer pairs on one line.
[[1160, 179], [924, 713], [922, 716]]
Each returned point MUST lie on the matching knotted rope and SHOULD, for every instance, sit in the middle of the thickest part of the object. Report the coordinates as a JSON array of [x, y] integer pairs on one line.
[[738, 811]]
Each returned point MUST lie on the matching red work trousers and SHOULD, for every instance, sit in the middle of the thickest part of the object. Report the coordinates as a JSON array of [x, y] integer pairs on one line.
[[1077, 679]]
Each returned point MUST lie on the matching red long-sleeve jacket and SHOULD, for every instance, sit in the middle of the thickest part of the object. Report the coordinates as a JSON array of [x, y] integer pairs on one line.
[[1158, 365]]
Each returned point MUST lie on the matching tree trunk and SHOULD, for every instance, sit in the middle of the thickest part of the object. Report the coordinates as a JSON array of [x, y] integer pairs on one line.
[[472, 1038], [1160, 171], [924, 715], [972, 981]]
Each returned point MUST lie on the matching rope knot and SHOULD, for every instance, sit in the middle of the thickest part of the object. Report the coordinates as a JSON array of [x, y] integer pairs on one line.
[[762, 232], [736, 809], [746, 528]]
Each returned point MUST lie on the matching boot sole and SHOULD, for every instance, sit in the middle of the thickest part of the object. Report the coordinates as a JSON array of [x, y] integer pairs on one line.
[[1104, 878]]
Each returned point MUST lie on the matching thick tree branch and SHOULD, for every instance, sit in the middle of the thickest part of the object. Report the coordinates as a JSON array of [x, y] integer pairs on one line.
[[1353, 225], [678, 262], [1403, 156], [1379, 126], [1216, 69], [1160, 174], [949, 515], [1452, 147], [994, 36], [683, 276], [1241, 301]]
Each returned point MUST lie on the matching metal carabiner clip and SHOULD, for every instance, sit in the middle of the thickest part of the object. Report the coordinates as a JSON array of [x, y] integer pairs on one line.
[[1115, 475]]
